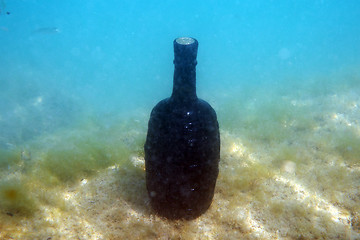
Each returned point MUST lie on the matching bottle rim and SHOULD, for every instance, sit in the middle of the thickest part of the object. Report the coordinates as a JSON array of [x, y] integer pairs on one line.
[[185, 40]]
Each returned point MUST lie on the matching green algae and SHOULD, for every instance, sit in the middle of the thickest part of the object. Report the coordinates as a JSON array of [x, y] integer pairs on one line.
[[81, 161], [347, 144], [267, 117], [70, 156], [62, 159], [16, 198], [292, 155], [9, 158]]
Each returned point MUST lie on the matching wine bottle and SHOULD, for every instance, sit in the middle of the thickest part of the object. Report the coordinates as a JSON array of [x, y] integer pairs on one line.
[[182, 148]]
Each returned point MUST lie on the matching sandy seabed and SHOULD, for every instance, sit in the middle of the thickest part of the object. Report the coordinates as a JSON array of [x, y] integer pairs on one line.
[[292, 181]]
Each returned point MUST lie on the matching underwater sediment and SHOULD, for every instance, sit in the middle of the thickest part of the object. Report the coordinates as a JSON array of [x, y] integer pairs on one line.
[[289, 169]]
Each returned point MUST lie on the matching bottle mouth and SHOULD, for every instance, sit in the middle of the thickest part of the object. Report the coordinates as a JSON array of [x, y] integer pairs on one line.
[[185, 40], [185, 51]]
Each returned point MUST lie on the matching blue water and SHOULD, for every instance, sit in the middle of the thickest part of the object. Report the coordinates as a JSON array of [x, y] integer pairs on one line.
[[117, 55]]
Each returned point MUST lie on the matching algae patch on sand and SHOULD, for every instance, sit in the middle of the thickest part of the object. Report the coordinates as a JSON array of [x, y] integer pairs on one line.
[[15, 198]]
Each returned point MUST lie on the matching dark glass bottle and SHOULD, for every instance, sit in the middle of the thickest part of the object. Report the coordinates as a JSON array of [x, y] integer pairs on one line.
[[182, 148]]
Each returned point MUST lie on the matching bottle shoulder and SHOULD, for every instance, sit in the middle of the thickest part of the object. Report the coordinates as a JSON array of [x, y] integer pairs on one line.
[[204, 104], [197, 107], [161, 106], [195, 104]]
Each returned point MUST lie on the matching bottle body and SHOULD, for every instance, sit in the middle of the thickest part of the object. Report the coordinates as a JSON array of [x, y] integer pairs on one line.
[[182, 151]]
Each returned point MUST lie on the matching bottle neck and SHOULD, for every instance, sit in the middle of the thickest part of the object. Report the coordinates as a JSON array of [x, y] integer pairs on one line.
[[184, 87], [185, 52]]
